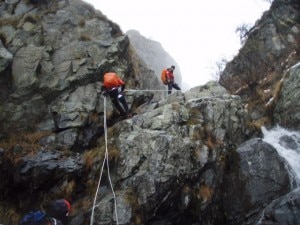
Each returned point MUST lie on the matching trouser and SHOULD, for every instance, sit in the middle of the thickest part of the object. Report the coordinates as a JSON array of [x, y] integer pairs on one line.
[[172, 85], [117, 97]]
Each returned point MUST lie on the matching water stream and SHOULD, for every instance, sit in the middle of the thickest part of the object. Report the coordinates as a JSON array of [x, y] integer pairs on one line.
[[287, 144]]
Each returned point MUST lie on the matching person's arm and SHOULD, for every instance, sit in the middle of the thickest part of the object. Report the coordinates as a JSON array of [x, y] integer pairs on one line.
[[123, 87], [120, 82], [103, 91]]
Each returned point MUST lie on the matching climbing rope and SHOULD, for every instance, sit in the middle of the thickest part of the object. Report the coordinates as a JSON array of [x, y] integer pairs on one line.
[[108, 173], [105, 160], [132, 90]]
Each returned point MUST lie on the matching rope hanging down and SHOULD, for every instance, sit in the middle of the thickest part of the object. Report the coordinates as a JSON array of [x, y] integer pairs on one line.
[[101, 172], [107, 163]]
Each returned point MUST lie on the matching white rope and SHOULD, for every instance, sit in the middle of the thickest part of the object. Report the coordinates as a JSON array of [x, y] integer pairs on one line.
[[106, 153], [132, 90], [100, 176]]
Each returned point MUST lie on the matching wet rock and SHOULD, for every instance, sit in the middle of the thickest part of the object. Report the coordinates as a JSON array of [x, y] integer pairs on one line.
[[282, 211], [258, 176]]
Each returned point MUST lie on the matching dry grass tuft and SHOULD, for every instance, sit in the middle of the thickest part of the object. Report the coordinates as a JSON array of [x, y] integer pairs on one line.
[[205, 193], [33, 138], [22, 144], [91, 186], [137, 219], [195, 117], [257, 124], [93, 155], [96, 154], [8, 214], [69, 189], [81, 22], [276, 90], [85, 37], [85, 204], [12, 21], [3, 39], [113, 153], [81, 205], [132, 199], [209, 142], [94, 118]]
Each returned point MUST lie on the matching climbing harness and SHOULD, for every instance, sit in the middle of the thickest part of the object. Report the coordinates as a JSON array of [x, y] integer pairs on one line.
[[108, 173]]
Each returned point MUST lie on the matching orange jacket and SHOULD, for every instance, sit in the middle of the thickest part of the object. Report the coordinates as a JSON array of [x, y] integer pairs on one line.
[[170, 75], [111, 80]]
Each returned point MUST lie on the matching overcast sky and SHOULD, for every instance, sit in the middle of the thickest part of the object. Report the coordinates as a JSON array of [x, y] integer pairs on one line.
[[196, 33]]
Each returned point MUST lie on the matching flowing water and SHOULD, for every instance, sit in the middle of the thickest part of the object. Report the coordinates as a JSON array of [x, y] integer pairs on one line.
[[287, 144]]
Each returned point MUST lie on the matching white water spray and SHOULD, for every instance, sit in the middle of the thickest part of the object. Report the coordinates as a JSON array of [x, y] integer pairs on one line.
[[287, 144]]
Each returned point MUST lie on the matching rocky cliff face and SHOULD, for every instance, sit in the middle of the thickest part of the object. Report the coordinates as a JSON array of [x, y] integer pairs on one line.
[[52, 52], [153, 54], [259, 70], [188, 158]]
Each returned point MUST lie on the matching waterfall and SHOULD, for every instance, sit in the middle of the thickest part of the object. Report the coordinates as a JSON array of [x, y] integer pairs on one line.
[[287, 144]]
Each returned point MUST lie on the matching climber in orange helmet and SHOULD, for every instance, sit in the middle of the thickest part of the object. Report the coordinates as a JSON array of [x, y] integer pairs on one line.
[[114, 87]]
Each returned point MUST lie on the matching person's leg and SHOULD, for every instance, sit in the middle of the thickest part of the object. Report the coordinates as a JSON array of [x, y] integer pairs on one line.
[[176, 86], [170, 85], [113, 94], [118, 106], [124, 103]]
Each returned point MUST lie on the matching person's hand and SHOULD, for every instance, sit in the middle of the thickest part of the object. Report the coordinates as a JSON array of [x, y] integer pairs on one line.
[[104, 93]]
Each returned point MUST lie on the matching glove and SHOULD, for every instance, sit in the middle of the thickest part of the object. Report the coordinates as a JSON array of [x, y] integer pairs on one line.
[[104, 93]]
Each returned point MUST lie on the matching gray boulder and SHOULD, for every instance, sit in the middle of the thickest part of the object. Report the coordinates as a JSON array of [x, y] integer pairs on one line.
[[282, 211], [258, 176], [5, 57]]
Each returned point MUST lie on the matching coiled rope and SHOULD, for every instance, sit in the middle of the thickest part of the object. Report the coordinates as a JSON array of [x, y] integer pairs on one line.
[[108, 173]]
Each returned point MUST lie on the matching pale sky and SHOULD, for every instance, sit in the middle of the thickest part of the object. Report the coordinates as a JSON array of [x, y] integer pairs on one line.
[[196, 33]]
